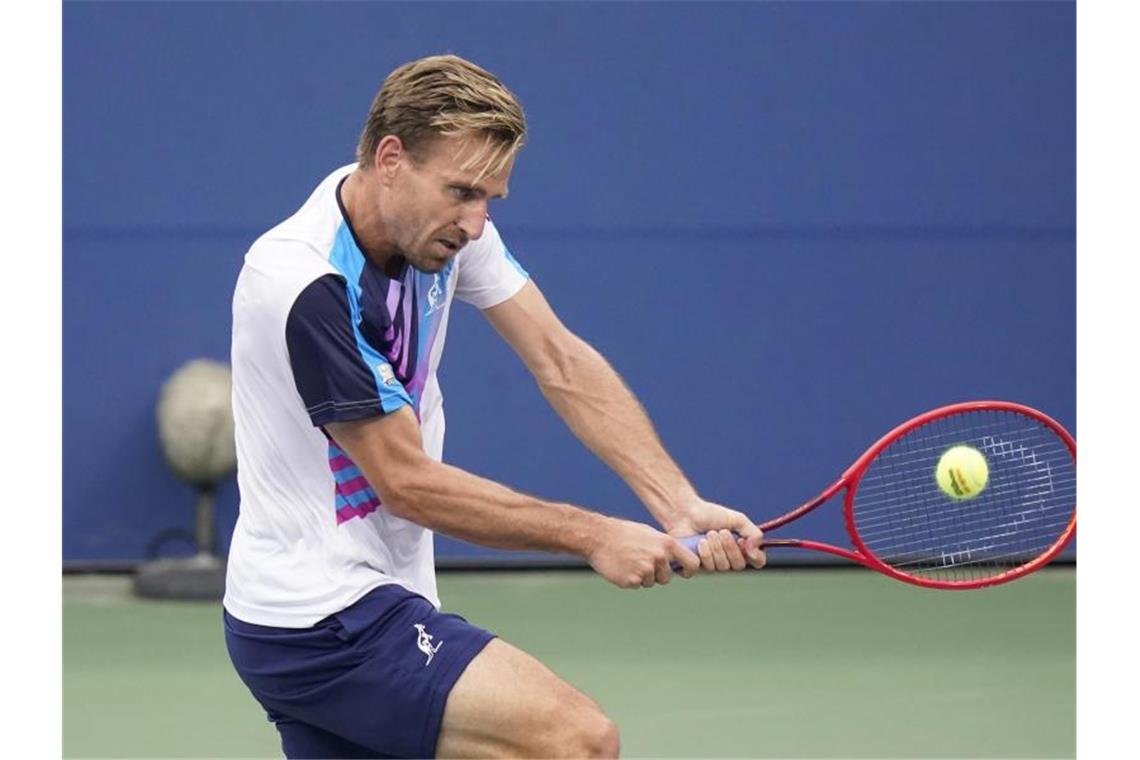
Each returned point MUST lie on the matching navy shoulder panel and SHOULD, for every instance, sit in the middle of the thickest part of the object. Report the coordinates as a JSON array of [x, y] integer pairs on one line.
[[328, 360]]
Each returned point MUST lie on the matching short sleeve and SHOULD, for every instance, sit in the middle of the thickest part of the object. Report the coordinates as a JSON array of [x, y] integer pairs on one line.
[[488, 273], [339, 375]]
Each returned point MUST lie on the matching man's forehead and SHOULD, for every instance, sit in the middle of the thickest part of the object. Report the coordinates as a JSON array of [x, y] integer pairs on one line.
[[464, 149], [493, 185], [463, 160]]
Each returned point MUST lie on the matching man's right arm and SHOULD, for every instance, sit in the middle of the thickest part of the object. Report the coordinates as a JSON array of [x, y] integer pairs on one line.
[[389, 451]]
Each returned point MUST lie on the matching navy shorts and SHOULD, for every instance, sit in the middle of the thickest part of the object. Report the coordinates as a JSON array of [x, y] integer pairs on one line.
[[369, 681]]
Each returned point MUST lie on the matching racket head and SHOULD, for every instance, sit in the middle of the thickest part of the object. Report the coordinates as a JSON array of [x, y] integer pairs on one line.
[[906, 527]]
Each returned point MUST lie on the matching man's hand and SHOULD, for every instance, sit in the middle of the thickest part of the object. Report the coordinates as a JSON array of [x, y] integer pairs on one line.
[[632, 555], [720, 550]]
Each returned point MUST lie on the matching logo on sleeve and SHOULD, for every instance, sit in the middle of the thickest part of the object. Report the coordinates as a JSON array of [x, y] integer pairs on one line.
[[423, 641], [386, 374]]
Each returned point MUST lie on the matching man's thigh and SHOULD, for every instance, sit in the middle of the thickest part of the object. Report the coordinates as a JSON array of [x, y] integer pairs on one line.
[[508, 704]]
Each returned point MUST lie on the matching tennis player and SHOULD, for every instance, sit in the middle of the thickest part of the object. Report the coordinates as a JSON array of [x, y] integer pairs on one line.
[[332, 618]]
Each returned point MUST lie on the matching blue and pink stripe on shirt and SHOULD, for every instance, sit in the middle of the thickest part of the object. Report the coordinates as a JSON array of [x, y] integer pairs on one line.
[[354, 496], [395, 322]]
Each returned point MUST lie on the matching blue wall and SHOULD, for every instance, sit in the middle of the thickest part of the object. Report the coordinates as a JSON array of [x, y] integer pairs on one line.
[[789, 226]]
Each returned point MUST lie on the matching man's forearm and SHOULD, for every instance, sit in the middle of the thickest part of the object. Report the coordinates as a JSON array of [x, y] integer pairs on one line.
[[455, 502], [605, 415], [389, 452]]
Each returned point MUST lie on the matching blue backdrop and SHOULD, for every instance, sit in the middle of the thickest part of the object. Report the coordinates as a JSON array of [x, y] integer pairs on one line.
[[789, 226]]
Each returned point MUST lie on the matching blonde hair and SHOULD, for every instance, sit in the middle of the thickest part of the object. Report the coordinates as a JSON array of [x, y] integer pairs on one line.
[[441, 96]]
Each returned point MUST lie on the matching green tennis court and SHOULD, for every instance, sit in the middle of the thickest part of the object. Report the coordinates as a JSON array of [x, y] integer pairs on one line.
[[782, 663]]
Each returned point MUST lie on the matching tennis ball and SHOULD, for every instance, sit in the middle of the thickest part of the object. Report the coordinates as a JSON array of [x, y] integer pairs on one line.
[[962, 472]]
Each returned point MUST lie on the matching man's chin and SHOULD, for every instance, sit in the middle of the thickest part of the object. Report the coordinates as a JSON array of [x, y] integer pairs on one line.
[[428, 264]]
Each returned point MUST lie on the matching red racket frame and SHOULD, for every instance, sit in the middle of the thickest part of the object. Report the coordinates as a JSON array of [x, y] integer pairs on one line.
[[850, 480]]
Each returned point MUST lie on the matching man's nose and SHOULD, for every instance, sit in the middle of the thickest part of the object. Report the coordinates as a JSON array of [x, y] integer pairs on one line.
[[473, 219]]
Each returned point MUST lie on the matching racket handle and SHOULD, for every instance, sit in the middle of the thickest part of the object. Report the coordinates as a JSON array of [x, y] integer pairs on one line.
[[691, 542]]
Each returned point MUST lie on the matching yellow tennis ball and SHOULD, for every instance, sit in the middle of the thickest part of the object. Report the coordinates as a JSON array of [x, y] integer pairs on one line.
[[962, 472]]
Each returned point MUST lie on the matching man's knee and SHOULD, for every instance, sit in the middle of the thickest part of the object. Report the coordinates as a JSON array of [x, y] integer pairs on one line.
[[604, 740], [590, 734]]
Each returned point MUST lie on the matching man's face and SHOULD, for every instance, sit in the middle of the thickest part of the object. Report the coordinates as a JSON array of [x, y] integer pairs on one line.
[[433, 207]]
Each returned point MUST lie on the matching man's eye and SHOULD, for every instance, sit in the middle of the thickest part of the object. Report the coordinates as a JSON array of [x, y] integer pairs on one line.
[[462, 193]]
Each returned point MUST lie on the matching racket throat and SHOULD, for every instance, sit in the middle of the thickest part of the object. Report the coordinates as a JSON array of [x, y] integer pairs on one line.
[[816, 546]]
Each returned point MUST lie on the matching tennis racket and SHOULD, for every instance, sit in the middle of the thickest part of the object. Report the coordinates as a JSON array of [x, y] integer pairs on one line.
[[902, 524]]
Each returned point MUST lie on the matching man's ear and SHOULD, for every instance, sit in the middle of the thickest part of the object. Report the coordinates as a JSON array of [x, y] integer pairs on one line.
[[389, 155]]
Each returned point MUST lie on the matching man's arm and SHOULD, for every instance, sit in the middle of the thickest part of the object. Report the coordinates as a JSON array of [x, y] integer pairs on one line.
[[389, 451], [604, 414]]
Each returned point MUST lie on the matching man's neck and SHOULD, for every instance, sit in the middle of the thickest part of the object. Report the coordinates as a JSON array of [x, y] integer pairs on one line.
[[363, 215]]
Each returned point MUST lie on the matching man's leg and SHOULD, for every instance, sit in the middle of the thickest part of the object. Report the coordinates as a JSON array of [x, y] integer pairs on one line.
[[508, 704]]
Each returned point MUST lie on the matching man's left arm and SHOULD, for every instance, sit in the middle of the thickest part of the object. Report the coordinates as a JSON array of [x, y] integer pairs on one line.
[[603, 413]]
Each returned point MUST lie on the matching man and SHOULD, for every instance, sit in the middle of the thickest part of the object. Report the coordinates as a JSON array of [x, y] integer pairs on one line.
[[332, 617]]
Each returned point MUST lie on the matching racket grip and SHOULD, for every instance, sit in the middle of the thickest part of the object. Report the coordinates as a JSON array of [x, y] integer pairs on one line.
[[691, 543]]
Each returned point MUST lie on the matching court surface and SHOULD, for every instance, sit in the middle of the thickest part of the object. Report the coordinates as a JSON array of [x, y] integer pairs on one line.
[[781, 663]]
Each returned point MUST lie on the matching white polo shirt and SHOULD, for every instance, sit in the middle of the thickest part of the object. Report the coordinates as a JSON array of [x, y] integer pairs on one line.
[[321, 335]]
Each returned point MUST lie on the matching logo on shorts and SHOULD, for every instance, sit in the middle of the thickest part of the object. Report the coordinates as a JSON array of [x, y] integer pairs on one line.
[[423, 641]]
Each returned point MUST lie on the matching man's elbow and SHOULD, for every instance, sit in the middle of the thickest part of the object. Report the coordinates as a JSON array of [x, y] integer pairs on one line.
[[562, 361], [405, 493]]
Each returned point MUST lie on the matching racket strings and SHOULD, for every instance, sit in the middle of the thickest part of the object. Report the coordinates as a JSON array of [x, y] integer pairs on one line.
[[906, 521]]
